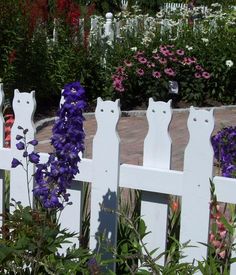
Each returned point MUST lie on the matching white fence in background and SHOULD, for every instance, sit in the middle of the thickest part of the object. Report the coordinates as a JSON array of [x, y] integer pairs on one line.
[[154, 178], [113, 28]]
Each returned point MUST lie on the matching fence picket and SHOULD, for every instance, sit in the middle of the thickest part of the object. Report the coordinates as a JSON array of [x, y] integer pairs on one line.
[[198, 165], [104, 190], [157, 154]]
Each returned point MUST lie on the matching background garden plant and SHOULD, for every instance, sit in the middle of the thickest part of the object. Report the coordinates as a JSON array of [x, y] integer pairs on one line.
[[43, 48]]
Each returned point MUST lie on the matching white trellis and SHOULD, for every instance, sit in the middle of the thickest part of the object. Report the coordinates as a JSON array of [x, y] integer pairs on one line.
[[154, 178]]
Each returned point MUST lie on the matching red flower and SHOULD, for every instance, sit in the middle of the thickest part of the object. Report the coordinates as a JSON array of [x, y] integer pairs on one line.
[[63, 5], [9, 122], [73, 15], [12, 56]]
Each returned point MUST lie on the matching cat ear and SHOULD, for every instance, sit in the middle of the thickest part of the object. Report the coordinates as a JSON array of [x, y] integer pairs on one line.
[[32, 93], [117, 102], [169, 102], [211, 111], [192, 109], [150, 100], [16, 91], [99, 100]]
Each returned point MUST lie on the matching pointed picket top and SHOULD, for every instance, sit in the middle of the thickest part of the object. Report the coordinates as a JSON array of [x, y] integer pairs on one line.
[[198, 170], [105, 177], [24, 106]]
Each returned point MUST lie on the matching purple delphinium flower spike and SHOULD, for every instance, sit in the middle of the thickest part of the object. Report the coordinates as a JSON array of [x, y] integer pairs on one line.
[[54, 177]]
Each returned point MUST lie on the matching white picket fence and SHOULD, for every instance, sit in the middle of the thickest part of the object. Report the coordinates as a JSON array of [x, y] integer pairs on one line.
[[154, 178]]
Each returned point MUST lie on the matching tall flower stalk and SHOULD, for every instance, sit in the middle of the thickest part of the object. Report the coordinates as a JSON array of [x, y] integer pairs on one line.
[[55, 177], [23, 145]]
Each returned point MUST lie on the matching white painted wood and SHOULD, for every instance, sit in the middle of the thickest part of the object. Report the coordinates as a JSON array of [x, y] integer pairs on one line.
[[198, 163], [157, 154], [225, 189], [24, 106], [108, 31], [106, 163], [71, 215], [2, 141], [6, 156], [151, 179]]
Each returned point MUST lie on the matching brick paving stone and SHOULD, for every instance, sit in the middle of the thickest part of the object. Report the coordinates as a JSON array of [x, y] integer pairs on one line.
[[132, 131]]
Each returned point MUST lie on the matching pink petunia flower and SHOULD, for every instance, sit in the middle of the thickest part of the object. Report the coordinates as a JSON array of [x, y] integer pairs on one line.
[[163, 60], [180, 52], [197, 75], [162, 48], [138, 54], [156, 56], [188, 60], [156, 74], [150, 65], [198, 67], [170, 72], [128, 63], [206, 75], [142, 59], [140, 72], [174, 59], [117, 84], [120, 70]]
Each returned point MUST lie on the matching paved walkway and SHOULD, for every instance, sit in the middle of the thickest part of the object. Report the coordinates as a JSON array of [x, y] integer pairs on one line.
[[133, 129]]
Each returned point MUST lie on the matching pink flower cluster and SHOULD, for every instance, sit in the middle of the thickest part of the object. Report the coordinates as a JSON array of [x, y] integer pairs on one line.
[[218, 236], [164, 63]]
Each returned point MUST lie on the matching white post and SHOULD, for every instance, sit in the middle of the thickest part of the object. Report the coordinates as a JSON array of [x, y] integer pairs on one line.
[[108, 30], [106, 168], [198, 169], [55, 33], [157, 154]]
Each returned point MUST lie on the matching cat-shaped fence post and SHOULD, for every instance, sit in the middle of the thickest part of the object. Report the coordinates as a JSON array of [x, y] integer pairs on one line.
[[198, 170], [106, 166], [157, 154], [24, 106], [2, 141]]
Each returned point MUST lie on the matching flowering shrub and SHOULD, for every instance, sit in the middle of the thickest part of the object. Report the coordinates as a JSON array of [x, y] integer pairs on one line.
[[145, 75]]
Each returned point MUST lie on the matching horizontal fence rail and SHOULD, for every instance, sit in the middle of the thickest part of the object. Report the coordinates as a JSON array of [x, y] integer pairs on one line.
[[154, 178]]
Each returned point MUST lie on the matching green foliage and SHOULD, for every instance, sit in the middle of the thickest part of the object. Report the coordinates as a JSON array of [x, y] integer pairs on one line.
[[30, 242]]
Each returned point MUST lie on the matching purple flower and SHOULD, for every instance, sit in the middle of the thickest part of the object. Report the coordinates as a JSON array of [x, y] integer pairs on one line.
[[55, 177], [19, 137], [20, 145], [34, 157], [224, 145], [15, 162], [33, 142]]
